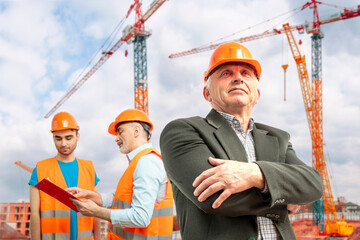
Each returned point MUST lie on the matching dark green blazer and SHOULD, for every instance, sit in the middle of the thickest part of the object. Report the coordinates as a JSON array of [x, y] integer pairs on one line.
[[186, 144]]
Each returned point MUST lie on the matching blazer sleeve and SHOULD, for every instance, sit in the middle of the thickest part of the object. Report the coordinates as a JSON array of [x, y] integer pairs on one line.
[[289, 180], [185, 151]]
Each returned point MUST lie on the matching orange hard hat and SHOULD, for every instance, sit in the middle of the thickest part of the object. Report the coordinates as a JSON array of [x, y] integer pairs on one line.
[[231, 52], [130, 115], [62, 121]]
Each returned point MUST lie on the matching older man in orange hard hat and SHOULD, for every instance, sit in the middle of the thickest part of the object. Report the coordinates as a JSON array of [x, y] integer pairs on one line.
[[234, 178], [50, 219], [142, 205]]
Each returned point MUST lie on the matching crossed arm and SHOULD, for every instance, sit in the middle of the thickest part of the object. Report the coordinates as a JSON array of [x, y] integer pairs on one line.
[[230, 177]]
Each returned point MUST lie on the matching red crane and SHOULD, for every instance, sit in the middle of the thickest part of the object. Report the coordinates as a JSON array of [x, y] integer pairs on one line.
[[345, 14], [312, 96], [136, 34]]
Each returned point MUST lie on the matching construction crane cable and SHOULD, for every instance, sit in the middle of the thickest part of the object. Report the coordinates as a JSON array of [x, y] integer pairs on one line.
[[330, 170], [285, 20], [112, 36], [247, 28], [335, 6]]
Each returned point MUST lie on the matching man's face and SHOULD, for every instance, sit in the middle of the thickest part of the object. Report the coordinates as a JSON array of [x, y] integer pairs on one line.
[[125, 136], [66, 141], [232, 85]]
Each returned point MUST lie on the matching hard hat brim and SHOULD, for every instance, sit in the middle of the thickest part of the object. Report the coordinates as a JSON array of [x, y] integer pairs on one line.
[[252, 62], [112, 128]]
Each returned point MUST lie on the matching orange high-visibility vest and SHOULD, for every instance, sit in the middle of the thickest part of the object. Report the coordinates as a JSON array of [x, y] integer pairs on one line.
[[161, 222], [55, 216]]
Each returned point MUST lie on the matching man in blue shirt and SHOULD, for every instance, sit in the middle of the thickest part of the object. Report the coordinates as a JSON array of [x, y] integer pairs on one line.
[[63, 168]]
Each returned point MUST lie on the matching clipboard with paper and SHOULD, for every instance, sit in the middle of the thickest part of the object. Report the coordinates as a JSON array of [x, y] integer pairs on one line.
[[57, 192]]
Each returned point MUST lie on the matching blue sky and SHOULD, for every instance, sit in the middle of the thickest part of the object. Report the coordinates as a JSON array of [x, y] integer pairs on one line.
[[44, 46]]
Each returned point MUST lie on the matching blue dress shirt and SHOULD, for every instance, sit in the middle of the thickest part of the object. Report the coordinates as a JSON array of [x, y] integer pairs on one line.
[[149, 181]]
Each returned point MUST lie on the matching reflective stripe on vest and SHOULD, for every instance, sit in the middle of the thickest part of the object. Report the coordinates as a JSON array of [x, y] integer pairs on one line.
[[85, 234], [65, 236], [55, 214], [133, 236], [53, 236], [162, 212]]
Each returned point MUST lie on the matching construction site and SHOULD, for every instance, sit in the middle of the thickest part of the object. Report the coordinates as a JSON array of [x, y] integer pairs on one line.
[[150, 61]]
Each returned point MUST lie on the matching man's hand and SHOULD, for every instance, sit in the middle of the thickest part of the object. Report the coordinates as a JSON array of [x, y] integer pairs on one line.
[[90, 208], [293, 208], [84, 193], [79, 192], [229, 176], [85, 207]]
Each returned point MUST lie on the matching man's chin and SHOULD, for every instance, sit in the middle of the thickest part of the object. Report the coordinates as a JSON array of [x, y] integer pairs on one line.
[[65, 153]]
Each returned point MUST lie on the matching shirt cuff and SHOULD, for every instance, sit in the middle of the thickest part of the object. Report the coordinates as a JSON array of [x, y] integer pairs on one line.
[[266, 189]]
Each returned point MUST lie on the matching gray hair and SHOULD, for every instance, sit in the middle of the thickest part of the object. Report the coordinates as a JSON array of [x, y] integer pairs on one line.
[[146, 127]]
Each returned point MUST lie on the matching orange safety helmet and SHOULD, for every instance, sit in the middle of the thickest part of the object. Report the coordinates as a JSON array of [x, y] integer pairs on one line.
[[129, 115], [231, 52], [62, 121]]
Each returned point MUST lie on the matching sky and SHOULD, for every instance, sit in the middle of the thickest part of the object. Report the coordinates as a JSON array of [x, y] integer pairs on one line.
[[46, 45]]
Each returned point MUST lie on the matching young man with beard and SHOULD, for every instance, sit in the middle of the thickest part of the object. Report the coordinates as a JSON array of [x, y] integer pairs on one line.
[[50, 219]]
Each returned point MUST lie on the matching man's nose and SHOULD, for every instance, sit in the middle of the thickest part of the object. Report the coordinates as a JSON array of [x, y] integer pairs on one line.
[[238, 78]]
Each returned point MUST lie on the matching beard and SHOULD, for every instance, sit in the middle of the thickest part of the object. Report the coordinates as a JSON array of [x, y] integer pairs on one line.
[[124, 149], [66, 150]]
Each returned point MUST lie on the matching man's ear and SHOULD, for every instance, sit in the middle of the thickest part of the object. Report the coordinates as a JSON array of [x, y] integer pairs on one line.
[[77, 136], [258, 96], [206, 94], [136, 130]]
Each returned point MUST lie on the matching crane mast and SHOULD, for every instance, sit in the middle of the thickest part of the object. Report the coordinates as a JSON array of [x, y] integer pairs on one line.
[[140, 63]]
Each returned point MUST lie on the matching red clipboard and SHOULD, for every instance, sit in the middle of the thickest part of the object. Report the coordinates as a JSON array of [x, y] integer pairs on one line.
[[57, 192]]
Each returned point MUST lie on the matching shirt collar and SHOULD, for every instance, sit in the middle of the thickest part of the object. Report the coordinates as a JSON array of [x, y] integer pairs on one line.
[[133, 153], [235, 123]]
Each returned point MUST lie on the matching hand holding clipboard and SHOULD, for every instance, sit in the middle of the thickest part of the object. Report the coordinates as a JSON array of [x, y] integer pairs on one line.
[[57, 192]]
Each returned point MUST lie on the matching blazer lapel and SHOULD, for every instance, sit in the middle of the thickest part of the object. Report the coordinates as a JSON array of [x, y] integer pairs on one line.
[[227, 137], [266, 146]]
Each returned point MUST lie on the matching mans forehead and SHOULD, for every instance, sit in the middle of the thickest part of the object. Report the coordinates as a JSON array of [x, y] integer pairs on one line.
[[232, 64], [64, 133]]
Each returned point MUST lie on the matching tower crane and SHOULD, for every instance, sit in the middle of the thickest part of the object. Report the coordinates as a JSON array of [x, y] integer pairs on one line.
[[312, 97], [137, 35]]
